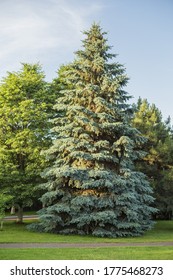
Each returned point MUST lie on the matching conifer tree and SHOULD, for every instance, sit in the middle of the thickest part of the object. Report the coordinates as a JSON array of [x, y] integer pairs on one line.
[[92, 186], [158, 162]]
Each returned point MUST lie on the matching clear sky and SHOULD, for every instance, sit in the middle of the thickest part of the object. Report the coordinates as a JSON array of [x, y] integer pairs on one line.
[[49, 32]]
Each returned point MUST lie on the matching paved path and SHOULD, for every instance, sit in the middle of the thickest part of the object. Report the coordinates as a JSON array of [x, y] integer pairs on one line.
[[83, 245], [26, 217]]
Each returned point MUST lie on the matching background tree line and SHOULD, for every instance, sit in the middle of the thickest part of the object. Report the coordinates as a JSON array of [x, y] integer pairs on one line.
[[27, 130], [158, 162]]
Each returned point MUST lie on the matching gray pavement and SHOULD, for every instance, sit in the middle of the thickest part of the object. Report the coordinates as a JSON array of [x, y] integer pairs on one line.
[[83, 245], [26, 217]]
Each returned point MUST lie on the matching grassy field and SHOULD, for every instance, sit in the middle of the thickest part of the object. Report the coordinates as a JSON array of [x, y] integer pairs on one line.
[[12, 232], [113, 253], [163, 231]]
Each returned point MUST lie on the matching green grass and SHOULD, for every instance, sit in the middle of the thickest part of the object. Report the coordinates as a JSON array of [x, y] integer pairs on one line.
[[116, 253], [12, 232]]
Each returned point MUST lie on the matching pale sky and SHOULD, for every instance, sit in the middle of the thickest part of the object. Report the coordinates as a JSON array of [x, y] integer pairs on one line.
[[50, 31]]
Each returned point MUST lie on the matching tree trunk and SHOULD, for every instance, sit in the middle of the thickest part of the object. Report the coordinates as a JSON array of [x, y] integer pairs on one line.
[[19, 214], [1, 224]]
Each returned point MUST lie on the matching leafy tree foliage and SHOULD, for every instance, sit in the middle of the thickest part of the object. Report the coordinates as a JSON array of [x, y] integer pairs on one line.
[[158, 163], [92, 186], [25, 106]]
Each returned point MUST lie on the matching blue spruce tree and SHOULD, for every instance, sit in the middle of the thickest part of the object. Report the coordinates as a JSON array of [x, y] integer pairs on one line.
[[91, 185]]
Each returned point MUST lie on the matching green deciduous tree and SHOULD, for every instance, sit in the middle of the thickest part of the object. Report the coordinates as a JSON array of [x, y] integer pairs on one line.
[[92, 186], [25, 108]]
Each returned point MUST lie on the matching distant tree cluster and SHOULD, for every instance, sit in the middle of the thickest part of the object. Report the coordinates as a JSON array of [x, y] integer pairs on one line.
[[96, 164], [158, 162]]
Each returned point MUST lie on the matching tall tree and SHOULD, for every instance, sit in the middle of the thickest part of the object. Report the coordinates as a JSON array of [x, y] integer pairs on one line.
[[25, 106], [158, 162], [92, 186]]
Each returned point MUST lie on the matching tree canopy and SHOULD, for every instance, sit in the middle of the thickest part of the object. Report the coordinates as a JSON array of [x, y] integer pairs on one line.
[[158, 162], [25, 106]]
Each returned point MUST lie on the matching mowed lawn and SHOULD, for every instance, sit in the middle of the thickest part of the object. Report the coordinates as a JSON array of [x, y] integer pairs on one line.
[[112, 253], [163, 231]]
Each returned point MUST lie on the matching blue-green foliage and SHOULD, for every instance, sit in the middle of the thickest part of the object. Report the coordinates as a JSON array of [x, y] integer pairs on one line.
[[92, 186]]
